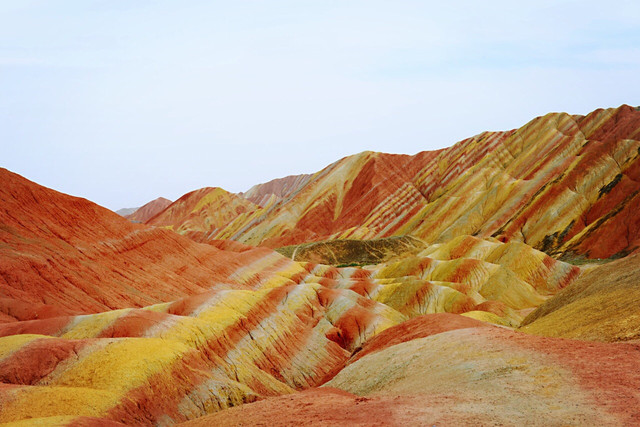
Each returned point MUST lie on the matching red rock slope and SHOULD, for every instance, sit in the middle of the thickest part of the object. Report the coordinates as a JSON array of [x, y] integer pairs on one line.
[[149, 210], [62, 254]]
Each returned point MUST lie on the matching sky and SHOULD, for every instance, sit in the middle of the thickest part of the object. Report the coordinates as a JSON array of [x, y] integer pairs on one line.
[[121, 102]]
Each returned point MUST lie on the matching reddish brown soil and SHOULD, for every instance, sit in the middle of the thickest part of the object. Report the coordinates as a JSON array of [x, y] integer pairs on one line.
[[65, 255], [615, 387], [320, 406], [94, 422], [12, 310], [49, 326]]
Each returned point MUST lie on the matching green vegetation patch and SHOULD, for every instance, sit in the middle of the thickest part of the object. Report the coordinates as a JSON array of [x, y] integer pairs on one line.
[[353, 252]]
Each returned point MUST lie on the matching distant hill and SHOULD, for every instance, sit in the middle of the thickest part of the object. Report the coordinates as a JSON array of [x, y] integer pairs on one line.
[[280, 188], [126, 211], [149, 210]]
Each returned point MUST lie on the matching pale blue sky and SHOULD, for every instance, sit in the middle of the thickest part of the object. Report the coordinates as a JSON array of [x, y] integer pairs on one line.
[[124, 101]]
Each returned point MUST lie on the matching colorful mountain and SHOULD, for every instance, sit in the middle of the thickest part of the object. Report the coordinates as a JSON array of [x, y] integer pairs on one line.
[[205, 327], [567, 185], [450, 287], [205, 212]]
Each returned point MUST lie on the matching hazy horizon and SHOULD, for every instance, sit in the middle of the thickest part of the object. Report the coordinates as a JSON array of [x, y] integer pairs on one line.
[[122, 103]]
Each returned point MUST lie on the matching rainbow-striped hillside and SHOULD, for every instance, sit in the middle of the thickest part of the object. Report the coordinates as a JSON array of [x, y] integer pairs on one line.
[[494, 282]]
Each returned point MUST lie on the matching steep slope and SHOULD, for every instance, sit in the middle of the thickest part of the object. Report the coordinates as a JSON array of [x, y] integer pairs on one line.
[[149, 210], [567, 185], [559, 183], [68, 255], [278, 189], [601, 305]]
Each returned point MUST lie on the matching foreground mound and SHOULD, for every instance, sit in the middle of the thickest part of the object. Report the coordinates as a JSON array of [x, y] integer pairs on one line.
[[601, 305], [492, 375], [316, 407], [444, 369]]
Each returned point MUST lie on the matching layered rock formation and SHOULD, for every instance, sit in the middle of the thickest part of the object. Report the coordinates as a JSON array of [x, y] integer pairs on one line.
[[67, 255], [222, 323], [205, 213], [563, 184], [107, 322], [445, 369]]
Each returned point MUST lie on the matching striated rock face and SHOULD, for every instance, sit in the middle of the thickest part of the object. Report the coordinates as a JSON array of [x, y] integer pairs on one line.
[[68, 255], [445, 369], [185, 329], [149, 210], [488, 375], [205, 211], [562, 184], [108, 322], [339, 198]]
